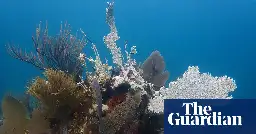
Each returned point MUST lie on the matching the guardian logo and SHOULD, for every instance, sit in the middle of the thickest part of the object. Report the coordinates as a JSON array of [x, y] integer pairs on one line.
[[202, 115]]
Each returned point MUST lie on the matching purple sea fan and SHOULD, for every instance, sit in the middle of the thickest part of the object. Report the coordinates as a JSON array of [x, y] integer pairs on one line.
[[58, 52], [154, 69]]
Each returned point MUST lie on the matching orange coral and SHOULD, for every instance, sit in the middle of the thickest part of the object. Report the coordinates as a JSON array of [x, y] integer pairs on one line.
[[115, 100]]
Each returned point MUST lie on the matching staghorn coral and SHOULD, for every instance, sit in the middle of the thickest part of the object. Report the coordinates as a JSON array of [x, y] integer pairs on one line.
[[112, 37], [62, 100], [102, 71]]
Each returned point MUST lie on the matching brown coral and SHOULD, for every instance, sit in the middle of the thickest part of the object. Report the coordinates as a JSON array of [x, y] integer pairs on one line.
[[115, 100], [64, 103], [121, 115]]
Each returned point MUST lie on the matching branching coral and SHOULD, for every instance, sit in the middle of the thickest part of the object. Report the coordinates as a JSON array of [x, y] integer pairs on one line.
[[112, 37], [62, 100], [58, 52], [102, 71]]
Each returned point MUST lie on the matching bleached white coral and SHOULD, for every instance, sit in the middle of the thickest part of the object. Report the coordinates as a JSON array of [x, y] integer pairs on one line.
[[129, 74], [200, 86], [194, 85], [156, 104], [102, 70], [112, 37]]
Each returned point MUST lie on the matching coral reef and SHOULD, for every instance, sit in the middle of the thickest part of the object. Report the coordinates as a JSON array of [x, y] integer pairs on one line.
[[123, 99]]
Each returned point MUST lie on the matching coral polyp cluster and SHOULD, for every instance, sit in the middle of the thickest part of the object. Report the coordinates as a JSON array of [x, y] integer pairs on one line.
[[124, 98]]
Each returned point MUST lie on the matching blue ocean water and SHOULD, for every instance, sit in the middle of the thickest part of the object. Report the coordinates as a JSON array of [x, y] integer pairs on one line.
[[217, 35]]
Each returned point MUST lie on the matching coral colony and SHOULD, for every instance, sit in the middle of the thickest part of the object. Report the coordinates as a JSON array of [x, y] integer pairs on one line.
[[121, 99]]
